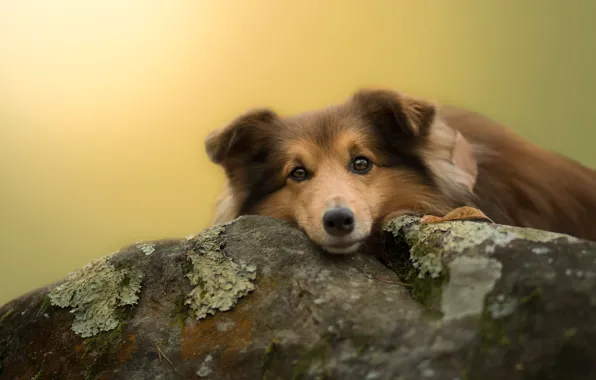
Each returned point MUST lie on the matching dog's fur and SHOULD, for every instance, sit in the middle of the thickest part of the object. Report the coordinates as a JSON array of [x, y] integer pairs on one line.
[[427, 159]]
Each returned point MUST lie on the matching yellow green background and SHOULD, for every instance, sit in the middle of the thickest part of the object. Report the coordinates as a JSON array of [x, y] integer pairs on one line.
[[104, 104]]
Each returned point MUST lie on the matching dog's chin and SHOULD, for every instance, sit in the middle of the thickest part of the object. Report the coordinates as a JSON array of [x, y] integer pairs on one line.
[[342, 249]]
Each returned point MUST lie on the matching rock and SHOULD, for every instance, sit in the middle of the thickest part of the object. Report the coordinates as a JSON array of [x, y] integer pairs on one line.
[[255, 299]]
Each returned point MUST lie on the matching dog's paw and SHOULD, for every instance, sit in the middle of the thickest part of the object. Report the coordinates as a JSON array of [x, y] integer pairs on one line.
[[460, 213]]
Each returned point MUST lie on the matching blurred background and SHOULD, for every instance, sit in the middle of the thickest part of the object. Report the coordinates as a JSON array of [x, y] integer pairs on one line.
[[104, 104]]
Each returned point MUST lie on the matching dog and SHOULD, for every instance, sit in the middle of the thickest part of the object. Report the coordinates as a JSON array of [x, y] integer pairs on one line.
[[340, 172]]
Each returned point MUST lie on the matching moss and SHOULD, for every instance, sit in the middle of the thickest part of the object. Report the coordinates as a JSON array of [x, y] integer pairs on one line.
[[181, 311], [269, 349], [427, 290], [268, 356], [313, 362], [534, 295], [44, 306], [465, 374], [501, 329], [101, 346], [40, 372], [95, 293], [569, 333], [5, 316], [493, 331], [187, 267], [218, 282], [7, 345]]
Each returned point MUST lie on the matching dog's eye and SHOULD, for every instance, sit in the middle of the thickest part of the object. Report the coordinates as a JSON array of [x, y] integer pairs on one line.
[[299, 174], [361, 165]]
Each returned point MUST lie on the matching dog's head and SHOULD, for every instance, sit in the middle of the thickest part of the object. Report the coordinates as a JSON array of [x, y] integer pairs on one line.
[[340, 172]]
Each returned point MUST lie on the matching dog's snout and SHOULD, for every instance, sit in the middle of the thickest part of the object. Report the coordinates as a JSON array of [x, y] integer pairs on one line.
[[339, 221]]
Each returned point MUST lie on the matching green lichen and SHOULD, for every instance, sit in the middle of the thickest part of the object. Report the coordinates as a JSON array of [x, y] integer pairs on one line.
[[427, 242], [423, 244], [538, 236], [406, 221], [95, 293], [146, 248], [217, 280]]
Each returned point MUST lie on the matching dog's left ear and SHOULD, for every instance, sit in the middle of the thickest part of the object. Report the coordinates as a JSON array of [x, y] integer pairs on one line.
[[242, 138], [393, 113]]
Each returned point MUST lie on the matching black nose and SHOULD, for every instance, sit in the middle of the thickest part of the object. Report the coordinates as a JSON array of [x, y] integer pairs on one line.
[[339, 221]]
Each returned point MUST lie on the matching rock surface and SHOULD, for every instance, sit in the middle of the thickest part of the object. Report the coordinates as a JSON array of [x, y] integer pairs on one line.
[[255, 299]]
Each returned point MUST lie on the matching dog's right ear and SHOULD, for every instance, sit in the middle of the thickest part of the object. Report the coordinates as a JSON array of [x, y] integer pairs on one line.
[[242, 137]]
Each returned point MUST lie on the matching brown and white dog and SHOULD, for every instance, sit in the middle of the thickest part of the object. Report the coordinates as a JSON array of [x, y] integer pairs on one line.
[[340, 172]]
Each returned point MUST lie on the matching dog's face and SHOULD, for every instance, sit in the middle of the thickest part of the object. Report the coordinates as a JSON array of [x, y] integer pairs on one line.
[[337, 173]]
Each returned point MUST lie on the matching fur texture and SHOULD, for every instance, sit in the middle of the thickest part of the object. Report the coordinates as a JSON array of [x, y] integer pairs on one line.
[[382, 153]]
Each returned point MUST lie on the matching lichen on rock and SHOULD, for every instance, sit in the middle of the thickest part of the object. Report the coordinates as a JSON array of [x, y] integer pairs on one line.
[[422, 240], [454, 286], [512, 312], [95, 293], [472, 278], [146, 248], [218, 281], [427, 242]]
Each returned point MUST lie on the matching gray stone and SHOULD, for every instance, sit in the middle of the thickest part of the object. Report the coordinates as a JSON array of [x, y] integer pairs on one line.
[[255, 299]]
